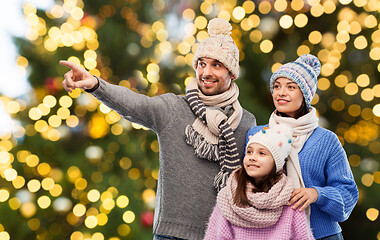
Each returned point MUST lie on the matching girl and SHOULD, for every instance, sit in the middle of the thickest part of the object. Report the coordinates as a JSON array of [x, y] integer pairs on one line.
[[317, 163], [254, 204]]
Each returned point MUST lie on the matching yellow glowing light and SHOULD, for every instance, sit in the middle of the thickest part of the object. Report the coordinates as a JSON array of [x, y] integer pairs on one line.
[[265, 7], [374, 54], [343, 37], [14, 203], [47, 183], [238, 13], [354, 110], [44, 202], [5, 157], [72, 121], [29, 8], [122, 201], [32, 160], [345, 2], [376, 175], [28, 209], [90, 63], [80, 183], [91, 222], [73, 172], [206, 8], [123, 230], [303, 49], [63, 113], [43, 169], [355, 27], [337, 105], [125, 163], [79, 210], [323, 84], [55, 33], [128, 217], [297, 5], [341, 81], [55, 121], [50, 44], [4, 195], [35, 113], [93, 195], [367, 94], [149, 195], [50, 101], [224, 14], [376, 110], [266, 46], [34, 224], [108, 204], [376, 90], [360, 42], [329, 6], [249, 6], [286, 21], [158, 26], [367, 180], [351, 88], [5, 236], [18, 182], [10, 174], [56, 190], [65, 101], [117, 129], [77, 13], [370, 21], [134, 173], [57, 11], [102, 220], [74, 60], [200, 22], [317, 10], [45, 110], [315, 37], [300, 20], [202, 35], [280, 5], [22, 61], [188, 14], [34, 185], [372, 214], [363, 80]]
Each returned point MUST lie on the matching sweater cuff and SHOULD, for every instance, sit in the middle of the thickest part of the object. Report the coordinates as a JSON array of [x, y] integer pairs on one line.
[[321, 197], [95, 87]]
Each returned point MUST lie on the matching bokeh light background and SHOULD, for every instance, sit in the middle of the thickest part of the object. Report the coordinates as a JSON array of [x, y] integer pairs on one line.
[[71, 168]]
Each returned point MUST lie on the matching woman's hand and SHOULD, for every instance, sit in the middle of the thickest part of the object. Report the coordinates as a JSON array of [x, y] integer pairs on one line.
[[303, 197]]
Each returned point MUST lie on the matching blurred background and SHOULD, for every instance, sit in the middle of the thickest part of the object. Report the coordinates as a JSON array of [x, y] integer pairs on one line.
[[71, 168]]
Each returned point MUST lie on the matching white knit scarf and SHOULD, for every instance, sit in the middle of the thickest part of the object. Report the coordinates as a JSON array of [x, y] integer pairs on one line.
[[211, 134], [302, 127], [265, 207]]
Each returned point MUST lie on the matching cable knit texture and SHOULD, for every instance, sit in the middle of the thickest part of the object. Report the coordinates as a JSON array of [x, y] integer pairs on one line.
[[325, 167], [269, 217]]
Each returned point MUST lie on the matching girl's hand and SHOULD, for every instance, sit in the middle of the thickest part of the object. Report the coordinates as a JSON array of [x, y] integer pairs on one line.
[[303, 197], [77, 77]]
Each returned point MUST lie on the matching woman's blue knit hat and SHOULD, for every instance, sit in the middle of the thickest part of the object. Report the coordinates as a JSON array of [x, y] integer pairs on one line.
[[304, 71]]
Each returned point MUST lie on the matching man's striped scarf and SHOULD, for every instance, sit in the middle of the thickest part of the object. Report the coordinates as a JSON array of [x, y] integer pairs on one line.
[[212, 134]]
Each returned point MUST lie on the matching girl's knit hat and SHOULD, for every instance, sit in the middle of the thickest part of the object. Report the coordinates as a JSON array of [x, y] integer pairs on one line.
[[219, 46], [277, 140], [304, 71]]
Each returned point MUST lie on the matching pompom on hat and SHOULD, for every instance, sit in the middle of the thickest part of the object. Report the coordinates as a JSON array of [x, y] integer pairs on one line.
[[219, 46], [277, 140], [304, 71]]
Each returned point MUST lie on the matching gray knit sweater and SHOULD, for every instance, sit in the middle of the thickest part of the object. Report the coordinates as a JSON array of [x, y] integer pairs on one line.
[[185, 192]]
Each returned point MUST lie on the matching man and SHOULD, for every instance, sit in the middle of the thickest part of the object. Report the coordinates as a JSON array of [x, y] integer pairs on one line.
[[197, 131]]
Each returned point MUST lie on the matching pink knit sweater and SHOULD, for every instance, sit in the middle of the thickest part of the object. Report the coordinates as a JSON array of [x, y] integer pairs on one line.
[[268, 217], [291, 225]]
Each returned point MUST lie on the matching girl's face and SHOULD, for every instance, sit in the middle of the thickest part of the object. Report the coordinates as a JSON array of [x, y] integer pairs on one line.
[[287, 96], [258, 161]]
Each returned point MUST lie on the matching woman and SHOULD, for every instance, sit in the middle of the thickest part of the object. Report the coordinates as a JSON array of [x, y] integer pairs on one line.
[[317, 163]]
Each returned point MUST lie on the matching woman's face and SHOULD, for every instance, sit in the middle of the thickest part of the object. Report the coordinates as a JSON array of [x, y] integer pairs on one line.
[[287, 96], [258, 161]]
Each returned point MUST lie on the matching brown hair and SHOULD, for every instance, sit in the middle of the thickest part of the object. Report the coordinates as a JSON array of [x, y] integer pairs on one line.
[[242, 178]]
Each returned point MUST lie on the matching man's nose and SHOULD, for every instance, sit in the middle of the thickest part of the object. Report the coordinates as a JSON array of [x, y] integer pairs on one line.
[[207, 70]]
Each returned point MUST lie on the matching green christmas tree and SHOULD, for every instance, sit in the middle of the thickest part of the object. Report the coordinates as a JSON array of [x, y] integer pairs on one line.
[[74, 169]]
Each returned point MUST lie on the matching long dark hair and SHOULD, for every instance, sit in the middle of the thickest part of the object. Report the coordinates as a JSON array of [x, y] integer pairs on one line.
[[303, 110], [242, 179]]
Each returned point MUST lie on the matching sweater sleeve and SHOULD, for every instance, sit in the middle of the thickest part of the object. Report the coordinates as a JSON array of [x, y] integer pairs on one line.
[[151, 112], [340, 193], [300, 227], [218, 227]]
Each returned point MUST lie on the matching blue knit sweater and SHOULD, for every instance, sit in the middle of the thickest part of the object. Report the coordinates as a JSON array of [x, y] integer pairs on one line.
[[324, 167]]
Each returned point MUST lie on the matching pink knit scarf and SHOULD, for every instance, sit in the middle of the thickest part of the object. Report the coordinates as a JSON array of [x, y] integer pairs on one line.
[[265, 209]]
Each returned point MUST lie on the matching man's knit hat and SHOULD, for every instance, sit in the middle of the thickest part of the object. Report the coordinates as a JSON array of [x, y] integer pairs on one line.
[[304, 71], [277, 140], [219, 46]]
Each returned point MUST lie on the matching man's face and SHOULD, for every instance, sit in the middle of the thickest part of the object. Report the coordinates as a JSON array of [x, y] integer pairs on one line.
[[213, 77]]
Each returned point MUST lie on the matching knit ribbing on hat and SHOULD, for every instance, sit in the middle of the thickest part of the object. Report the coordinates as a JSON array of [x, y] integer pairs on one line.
[[304, 72], [219, 46]]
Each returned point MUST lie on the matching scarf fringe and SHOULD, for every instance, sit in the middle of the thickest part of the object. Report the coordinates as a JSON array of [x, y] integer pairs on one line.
[[220, 180], [202, 148]]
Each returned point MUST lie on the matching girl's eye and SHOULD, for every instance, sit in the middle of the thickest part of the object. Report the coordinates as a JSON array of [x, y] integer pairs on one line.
[[276, 86], [292, 87]]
